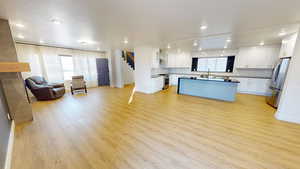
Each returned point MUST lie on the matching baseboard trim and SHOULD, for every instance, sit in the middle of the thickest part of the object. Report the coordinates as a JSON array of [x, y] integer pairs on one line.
[[10, 146]]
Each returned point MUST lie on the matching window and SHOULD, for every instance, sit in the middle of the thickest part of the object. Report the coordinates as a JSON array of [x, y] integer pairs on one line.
[[213, 64], [67, 66]]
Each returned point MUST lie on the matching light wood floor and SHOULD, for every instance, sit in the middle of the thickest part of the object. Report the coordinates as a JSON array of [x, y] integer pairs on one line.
[[161, 131]]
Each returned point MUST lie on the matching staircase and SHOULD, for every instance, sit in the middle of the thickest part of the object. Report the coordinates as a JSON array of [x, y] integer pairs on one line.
[[129, 58]]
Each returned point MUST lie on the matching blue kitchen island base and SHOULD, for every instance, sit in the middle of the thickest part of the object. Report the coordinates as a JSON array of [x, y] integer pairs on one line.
[[219, 89]]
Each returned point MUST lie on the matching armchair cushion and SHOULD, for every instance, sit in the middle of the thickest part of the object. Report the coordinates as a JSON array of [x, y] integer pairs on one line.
[[56, 85], [44, 91], [78, 83], [38, 80], [58, 92]]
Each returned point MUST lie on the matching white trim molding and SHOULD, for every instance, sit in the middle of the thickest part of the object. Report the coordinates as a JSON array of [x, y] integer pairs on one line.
[[10, 146]]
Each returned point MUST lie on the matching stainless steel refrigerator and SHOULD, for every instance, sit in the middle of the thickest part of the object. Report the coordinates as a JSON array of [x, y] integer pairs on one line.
[[278, 78]]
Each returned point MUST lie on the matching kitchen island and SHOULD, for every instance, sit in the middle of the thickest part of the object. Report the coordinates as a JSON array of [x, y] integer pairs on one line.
[[212, 88]]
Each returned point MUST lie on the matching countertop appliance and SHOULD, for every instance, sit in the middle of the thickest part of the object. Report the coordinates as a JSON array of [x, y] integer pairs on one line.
[[278, 78]]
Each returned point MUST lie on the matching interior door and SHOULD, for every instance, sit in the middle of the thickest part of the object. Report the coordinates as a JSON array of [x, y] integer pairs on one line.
[[103, 71]]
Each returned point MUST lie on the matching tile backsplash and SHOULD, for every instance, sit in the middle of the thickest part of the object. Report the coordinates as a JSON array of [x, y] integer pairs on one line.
[[237, 72]]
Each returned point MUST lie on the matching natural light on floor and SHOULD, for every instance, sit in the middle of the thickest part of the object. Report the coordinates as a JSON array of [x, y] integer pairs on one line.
[[131, 96]]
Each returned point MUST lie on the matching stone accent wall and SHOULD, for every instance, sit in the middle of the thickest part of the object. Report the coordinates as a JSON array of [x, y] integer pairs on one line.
[[12, 83]]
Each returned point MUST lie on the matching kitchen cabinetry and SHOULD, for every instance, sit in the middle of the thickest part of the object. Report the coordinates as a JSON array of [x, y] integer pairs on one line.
[[156, 58], [288, 46], [263, 57], [177, 59], [254, 86], [174, 78], [156, 84]]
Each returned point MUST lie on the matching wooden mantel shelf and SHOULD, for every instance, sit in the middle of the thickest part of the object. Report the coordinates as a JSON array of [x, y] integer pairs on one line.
[[14, 67]]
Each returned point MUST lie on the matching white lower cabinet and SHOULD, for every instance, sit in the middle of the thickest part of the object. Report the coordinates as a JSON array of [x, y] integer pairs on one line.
[[157, 84], [254, 86], [242, 85], [174, 78]]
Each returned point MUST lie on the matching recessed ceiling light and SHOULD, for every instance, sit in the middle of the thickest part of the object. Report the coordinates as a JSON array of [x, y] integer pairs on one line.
[[41, 41], [203, 27], [195, 43], [83, 42], [125, 41], [262, 43], [169, 46], [228, 40], [21, 37], [56, 21], [19, 25], [282, 33]]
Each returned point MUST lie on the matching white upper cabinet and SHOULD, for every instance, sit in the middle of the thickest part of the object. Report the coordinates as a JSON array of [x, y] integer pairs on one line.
[[179, 59], [171, 59], [288, 46], [262, 57], [156, 58]]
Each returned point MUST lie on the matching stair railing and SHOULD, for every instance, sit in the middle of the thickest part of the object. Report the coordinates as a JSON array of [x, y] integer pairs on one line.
[[129, 58]]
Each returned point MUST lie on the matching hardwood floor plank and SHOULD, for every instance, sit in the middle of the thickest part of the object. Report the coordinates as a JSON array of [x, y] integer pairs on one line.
[[101, 130]]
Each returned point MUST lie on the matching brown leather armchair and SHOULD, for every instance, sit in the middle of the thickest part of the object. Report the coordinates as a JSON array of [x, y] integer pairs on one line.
[[43, 90]]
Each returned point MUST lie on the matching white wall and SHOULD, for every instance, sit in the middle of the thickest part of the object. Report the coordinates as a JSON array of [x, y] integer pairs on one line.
[[142, 71], [110, 67], [116, 65], [143, 65], [288, 109], [120, 72]]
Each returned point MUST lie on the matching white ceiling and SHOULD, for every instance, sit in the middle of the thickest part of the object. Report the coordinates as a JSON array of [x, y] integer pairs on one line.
[[106, 23]]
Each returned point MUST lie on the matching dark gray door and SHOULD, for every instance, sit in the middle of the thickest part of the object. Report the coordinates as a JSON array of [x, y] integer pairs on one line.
[[103, 71]]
